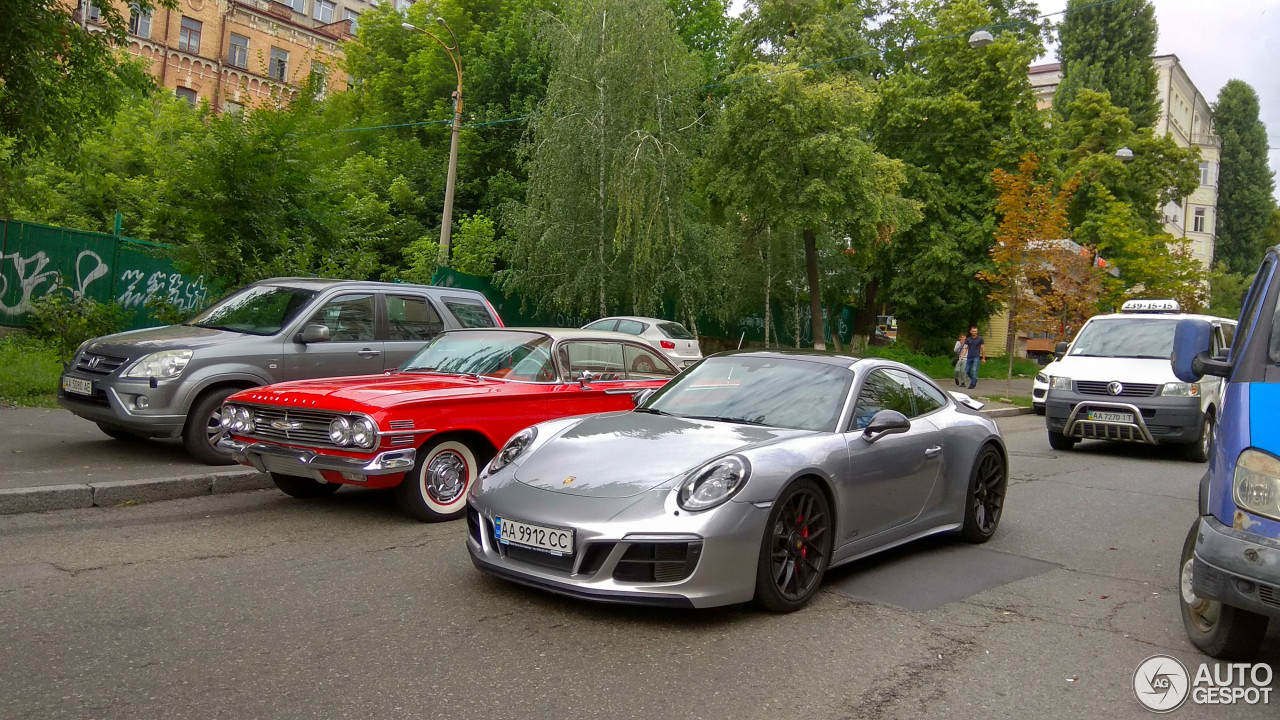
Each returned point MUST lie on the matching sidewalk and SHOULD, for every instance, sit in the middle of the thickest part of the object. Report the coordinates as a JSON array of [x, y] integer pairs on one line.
[[52, 460], [992, 392]]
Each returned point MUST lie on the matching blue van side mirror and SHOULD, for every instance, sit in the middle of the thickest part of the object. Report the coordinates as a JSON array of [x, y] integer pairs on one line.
[[1192, 341]]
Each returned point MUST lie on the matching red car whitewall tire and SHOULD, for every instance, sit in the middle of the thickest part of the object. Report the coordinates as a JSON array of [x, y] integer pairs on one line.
[[436, 489]]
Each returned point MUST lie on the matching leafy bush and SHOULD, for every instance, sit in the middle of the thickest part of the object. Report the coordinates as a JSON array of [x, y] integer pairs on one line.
[[62, 321], [164, 312], [29, 371]]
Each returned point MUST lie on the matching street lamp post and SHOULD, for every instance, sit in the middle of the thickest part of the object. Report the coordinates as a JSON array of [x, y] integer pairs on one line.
[[446, 226]]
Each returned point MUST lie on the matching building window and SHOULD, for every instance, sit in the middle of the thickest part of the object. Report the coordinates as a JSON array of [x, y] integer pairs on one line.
[[139, 22], [187, 94], [319, 78], [189, 36], [279, 68], [1206, 173], [299, 6], [1197, 223], [233, 108], [238, 54], [324, 10], [353, 16], [95, 13]]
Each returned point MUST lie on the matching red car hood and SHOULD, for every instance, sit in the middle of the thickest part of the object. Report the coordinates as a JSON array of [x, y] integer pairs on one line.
[[376, 391]]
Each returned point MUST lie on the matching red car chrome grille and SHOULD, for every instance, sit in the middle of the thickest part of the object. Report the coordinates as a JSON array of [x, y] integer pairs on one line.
[[290, 425]]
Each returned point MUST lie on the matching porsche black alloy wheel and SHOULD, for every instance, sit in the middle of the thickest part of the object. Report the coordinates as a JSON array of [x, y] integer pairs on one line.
[[796, 548], [987, 484]]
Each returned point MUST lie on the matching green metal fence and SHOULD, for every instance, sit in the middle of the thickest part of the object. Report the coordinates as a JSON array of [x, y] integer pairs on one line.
[[36, 260]]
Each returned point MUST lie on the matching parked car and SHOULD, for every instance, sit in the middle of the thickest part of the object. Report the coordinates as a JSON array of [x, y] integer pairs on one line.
[[1040, 387], [746, 477], [673, 339], [171, 381], [1230, 566], [428, 427], [1113, 382]]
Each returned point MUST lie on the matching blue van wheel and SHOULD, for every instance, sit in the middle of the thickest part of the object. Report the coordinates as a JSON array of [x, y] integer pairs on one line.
[[1218, 630]]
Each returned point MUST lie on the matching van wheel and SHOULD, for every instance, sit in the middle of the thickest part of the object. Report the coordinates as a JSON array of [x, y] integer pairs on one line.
[[1199, 450], [1219, 630], [1058, 441], [204, 427]]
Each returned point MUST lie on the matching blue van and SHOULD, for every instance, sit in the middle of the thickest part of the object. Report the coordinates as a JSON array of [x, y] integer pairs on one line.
[[1230, 568]]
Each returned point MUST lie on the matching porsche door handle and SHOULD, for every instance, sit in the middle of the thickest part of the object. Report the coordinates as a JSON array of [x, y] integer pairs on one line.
[[933, 452], [368, 353]]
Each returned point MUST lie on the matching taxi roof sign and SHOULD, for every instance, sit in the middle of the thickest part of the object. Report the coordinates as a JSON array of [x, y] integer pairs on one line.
[[1150, 306]]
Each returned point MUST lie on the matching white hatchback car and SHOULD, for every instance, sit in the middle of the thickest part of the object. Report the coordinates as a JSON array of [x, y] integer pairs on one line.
[[676, 342]]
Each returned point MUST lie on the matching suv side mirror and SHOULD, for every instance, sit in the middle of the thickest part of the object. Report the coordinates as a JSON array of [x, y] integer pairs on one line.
[[886, 422], [312, 334], [1060, 349], [1192, 341], [643, 396]]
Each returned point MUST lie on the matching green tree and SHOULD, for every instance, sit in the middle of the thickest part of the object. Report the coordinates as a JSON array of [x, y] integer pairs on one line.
[[788, 155], [954, 114], [1245, 182], [1107, 47], [608, 163], [58, 80], [1226, 291]]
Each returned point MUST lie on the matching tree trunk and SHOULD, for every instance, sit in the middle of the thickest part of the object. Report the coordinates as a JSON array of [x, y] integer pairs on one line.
[[815, 300], [865, 322], [795, 312], [1011, 342], [768, 287]]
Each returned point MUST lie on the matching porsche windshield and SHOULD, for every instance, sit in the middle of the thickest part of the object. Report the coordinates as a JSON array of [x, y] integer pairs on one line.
[[257, 310], [1126, 338], [778, 392], [498, 354]]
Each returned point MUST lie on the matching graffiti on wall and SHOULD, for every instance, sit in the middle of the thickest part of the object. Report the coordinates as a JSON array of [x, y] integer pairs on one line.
[[173, 288]]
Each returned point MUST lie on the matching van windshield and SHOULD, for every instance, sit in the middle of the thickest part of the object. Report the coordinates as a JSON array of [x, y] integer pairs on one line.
[[257, 310], [1126, 338]]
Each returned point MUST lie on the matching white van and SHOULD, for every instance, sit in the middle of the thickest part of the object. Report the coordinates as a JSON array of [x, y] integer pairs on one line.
[[1114, 382]]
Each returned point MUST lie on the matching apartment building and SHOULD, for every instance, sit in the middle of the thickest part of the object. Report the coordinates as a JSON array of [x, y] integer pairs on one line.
[[239, 53], [1186, 116]]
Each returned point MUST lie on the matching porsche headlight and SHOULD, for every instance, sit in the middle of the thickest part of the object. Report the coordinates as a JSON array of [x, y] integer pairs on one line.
[[364, 433], [715, 483], [1181, 389], [1042, 378], [1257, 484], [340, 431], [163, 364], [514, 448], [1057, 382]]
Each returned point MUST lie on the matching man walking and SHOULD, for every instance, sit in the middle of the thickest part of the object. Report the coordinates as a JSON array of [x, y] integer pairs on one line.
[[976, 354]]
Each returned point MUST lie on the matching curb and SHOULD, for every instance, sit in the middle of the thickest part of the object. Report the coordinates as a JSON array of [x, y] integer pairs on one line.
[[1007, 412], [114, 493]]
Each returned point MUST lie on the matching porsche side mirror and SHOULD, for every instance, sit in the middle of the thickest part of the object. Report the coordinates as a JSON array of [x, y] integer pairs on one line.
[[642, 397], [584, 378], [1192, 341], [312, 334], [1060, 350], [886, 422]]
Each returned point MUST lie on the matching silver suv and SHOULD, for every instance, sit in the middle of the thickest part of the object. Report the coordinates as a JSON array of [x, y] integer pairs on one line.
[[171, 381]]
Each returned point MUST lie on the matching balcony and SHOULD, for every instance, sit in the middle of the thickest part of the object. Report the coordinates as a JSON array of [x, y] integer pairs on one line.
[[1207, 140]]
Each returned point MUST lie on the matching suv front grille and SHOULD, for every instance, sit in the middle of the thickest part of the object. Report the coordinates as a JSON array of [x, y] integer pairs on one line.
[[97, 364], [290, 425], [1099, 387]]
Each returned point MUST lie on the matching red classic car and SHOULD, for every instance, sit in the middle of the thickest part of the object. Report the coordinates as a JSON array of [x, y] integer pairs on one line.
[[428, 427]]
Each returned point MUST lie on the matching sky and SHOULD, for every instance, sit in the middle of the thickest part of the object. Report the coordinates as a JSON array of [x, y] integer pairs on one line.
[[1216, 40]]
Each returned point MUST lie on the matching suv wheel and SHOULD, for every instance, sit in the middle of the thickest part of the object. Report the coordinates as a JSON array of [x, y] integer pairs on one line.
[[1058, 441], [204, 427]]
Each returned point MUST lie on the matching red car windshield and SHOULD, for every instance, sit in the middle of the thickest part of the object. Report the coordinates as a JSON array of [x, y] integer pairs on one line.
[[504, 354]]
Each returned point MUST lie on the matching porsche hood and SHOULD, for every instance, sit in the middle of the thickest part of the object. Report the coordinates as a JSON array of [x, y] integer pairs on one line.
[[624, 454]]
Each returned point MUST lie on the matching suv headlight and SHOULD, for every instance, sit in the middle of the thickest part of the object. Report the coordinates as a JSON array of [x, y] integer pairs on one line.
[[1181, 389], [1057, 382], [163, 364], [1256, 485], [514, 448], [713, 484]]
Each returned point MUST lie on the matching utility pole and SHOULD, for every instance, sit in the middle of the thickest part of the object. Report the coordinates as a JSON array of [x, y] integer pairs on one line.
[[446, 224]]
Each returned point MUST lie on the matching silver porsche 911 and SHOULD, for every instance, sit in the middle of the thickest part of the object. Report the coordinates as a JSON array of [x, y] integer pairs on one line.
[[746, 477]]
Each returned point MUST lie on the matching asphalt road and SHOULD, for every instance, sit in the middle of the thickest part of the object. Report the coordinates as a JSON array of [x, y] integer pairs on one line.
[[256, 605]]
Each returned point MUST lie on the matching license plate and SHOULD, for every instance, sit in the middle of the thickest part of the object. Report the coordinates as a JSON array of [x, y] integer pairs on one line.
[[78, 386], [1116, 417], [553, 540]]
